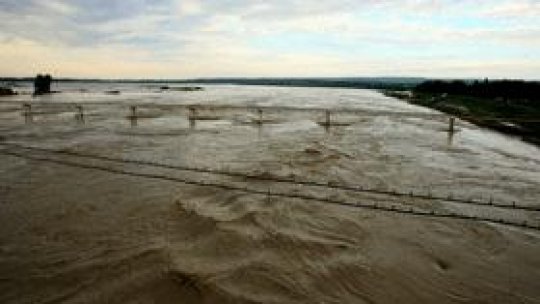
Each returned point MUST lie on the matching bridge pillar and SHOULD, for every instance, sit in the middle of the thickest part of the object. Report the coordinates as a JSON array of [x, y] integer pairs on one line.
[[451, 124], [27, 109], [192, 113], [327, 122], [133, 111], [260, 111], [80, 112]]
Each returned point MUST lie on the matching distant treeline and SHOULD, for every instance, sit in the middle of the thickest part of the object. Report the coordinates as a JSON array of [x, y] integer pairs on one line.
[[358, 83], [509, 106], [396, 83], [506, 89]]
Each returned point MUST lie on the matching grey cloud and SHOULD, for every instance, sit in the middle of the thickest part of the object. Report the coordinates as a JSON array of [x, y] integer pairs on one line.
[[45, 22], [148, 24], [95, 11]]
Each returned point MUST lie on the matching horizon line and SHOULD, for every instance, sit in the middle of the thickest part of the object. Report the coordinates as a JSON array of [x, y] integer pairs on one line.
[[68, 78]]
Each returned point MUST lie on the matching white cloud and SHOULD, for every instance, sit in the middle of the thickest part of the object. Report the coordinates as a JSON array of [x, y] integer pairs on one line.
[[189, 7], [516, 8], [57, 7], [195, 38]]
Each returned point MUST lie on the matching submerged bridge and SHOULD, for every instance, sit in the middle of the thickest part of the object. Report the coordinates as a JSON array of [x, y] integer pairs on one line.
[[195, 112], [388, 200]]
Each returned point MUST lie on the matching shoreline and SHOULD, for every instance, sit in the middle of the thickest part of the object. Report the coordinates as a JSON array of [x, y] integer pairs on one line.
[[482, 114]]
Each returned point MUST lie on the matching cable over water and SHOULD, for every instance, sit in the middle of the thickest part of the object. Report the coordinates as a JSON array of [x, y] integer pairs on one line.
[[385, 207], [278, 179]]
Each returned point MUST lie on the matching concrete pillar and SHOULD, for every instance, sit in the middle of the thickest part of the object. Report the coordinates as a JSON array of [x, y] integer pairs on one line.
[[192, 113], [269, 196], [192, 116], [260, 111], [327, 123], [27, 109], [80, 112], [27, 113], [133, 116]]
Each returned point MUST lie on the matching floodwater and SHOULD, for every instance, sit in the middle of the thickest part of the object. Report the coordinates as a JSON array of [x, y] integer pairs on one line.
[[78, 225]]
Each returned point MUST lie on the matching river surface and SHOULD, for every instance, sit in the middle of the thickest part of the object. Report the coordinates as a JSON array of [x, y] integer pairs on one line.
[[99, 207]]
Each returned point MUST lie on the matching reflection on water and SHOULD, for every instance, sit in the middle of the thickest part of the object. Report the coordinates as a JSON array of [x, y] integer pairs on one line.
[[79, 116], [450, 138], [28, 118], [260, 131], [133, 121], [80, 119]]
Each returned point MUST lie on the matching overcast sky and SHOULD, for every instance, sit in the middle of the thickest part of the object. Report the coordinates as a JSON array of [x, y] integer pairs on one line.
[[217, 38]]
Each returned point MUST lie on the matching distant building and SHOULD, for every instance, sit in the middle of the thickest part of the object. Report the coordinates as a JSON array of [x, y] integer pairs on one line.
[[42, 84]]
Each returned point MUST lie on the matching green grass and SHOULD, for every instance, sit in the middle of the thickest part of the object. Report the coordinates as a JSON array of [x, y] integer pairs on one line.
[[481, 110]]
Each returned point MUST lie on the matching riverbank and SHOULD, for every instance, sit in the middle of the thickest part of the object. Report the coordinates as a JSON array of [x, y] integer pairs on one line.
[[514, 117]]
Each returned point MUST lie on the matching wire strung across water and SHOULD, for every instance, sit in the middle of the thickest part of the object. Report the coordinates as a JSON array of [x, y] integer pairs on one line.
[[245, 175], [373, 206]]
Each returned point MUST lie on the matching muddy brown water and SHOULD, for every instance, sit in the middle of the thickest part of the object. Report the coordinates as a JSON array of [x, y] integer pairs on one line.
[[80, 235]]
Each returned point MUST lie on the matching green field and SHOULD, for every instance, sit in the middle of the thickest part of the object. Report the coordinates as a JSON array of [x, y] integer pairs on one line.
[[515, 117]]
